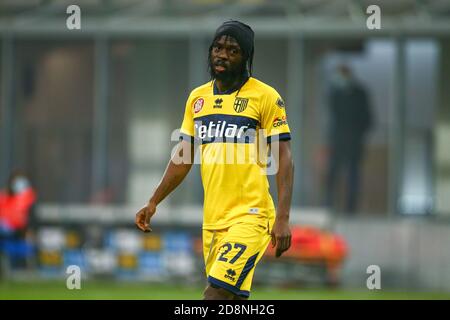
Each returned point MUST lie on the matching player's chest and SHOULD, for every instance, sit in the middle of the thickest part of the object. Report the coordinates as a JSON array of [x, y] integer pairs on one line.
[[226, 104]]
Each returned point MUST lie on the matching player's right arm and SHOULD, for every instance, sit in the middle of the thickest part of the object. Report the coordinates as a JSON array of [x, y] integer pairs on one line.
[[175, 172]]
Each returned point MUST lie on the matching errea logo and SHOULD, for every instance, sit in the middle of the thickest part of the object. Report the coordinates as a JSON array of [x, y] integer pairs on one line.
[[230, 275], [218, 103]]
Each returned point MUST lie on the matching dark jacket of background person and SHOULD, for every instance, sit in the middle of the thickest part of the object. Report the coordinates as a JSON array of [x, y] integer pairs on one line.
[[350, 115], [350, 121]]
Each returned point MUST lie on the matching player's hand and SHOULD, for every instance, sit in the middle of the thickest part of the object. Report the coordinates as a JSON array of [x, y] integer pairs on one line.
[[281, 236], [143, 217]]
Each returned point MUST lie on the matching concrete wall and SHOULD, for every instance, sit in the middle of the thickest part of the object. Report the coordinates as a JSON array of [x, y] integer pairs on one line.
[[412, 254]]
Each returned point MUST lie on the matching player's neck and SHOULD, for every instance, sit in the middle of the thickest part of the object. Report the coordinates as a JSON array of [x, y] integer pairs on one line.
[[226, 86]]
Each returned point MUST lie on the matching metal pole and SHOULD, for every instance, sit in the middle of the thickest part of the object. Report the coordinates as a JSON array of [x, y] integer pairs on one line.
[[397, 130], [198, 57], [7, 108], [295, 109], [101, 112]]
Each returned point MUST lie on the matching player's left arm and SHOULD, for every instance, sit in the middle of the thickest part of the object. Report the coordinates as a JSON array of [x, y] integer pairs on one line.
[[281, 233]]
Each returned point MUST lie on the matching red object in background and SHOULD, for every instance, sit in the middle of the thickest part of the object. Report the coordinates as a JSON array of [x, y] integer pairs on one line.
[[15, 208], [312, 245]]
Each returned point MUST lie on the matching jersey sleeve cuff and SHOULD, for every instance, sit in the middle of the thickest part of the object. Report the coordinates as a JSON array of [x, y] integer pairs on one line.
[[279, 137]]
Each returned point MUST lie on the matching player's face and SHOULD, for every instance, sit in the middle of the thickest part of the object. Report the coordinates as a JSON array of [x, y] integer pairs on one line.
[[226, 59]]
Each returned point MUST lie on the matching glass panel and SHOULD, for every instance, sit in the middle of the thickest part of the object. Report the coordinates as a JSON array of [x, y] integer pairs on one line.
[[149, 82], [270, 63], [442, 133], [54, 112], [2, 174], [346, 126], [421, 95], [270, 66]]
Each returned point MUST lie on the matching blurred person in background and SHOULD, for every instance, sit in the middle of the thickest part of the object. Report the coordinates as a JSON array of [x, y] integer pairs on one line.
[[239, 216], [350, 121], [16, 203]]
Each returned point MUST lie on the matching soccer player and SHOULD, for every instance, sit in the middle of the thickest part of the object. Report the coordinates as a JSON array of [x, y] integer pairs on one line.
[[223, 117]]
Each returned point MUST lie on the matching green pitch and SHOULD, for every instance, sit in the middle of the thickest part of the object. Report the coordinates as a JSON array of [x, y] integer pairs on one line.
[[98, 290]]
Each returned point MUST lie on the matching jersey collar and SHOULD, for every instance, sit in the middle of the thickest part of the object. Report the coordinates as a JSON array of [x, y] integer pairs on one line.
[[231, 90]]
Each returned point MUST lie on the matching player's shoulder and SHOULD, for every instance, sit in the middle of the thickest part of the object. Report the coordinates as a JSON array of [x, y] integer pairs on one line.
[[201, 90], [263, 87], [269, 93]]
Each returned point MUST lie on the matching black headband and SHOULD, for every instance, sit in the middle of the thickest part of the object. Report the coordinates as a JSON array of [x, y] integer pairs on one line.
[[243, 34]]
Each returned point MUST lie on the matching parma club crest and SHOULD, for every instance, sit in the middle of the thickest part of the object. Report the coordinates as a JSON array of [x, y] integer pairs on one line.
[[240, 104]]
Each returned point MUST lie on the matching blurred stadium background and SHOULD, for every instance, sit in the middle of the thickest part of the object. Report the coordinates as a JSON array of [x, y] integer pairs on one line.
[[89, 115]]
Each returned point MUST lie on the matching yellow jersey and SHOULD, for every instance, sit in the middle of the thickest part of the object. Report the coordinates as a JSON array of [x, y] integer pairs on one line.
[[230, 130]]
